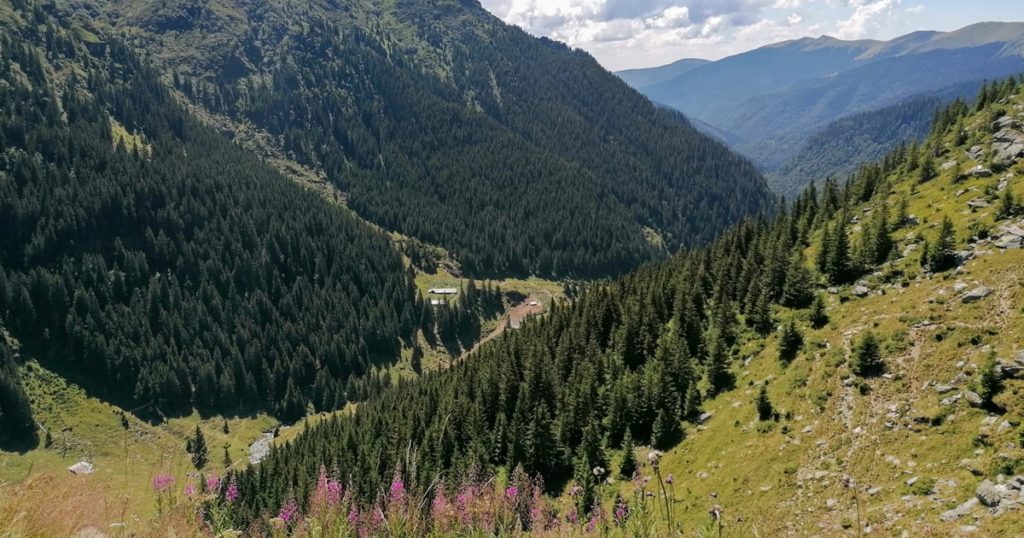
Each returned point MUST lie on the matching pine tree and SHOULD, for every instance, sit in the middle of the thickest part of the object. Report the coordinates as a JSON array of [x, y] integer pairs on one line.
[[867, 356], [227, 458], [927, 171], [942, 253], [989, 383], [765, 411], [666, 430], [719, 377], [628, 466], [790, 342], [797, 291], [199, 449], [818, 316]]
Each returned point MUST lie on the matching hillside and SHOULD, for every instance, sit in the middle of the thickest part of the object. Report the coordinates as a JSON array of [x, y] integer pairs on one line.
[[770, 100], [839, 148], [880, 323], [438, 121], [163, 268]]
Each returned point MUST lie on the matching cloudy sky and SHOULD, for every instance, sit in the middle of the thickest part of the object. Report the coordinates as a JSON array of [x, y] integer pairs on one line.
[[641, 33]]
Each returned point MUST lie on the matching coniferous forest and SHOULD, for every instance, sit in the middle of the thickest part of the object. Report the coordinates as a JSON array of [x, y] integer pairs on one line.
[[519, 156], [165, 267], [627, 360]]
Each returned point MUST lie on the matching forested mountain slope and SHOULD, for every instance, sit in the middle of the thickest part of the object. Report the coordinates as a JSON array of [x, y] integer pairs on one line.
[[437, 120], [825, 371], [839, 148], [162, 266]]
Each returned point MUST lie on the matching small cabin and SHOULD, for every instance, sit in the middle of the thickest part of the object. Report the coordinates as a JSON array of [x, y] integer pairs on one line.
[[443, 291]]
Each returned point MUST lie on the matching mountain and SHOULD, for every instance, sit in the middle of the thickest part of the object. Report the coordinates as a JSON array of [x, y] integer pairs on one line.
[[642, 78], [436, 120], [162, 267], [838, 149], [863, 346], [772, 99]]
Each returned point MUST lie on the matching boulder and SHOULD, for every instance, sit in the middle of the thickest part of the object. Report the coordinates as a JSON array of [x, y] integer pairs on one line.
[[960, 511], [978, 203], [976, 295], [988, 494], [910, 249], [1009, 242], [943, 389], [959, 287], [704, 417], [973, 398], [976, 152], [979, 171], [1014, 368], [82, 467], [861, 291], [949, 165]]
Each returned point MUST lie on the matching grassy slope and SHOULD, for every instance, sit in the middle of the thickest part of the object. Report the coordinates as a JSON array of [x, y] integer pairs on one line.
[[789, 480]]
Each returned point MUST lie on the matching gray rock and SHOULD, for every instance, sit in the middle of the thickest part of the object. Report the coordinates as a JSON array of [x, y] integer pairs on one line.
[[1013, 230], [978, 203], [943, 389], [1009, 242], [959, 287], [979, 171], [1013, 369], [910, 249], [912, 481], [949, 165], [976, 295], [874, 491], [976, 152], [861, 291], [260, 448], [952, 399], [704, 417], [960, 511], [973, 398], [988, 494]]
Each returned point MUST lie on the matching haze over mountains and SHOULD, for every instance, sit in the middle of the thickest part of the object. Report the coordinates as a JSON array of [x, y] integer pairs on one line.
[[768, 102]]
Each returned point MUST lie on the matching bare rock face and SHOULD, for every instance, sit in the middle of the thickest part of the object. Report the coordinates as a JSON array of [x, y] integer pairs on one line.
[[988, 494]]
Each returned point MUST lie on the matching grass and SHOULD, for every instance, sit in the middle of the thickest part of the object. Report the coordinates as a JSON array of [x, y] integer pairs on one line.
[[84, 428]]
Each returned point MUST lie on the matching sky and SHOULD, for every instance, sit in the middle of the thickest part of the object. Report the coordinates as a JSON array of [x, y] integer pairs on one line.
[[625, 34]]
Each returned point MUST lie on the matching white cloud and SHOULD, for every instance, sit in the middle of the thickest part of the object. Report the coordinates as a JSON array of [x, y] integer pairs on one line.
[[864, 17], [915, 9]]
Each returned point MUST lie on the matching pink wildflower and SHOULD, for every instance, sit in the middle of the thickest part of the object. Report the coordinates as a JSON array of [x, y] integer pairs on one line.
[[289, 512], [572, 516], [512, 492], [213, 483], [190, 490], [162, 482], [232, 493], [397, 491], [592, 523], [621, 512]]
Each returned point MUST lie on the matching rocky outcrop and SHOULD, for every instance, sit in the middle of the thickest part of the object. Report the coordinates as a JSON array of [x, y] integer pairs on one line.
[[976, 295]]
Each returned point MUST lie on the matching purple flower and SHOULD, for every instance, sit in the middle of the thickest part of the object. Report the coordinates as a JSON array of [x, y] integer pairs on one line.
[[212, 483], [232, 493], [397, 491], [289, 512], [512, 492], [190, 490], [621, 512], [162, 482], [572, 516]]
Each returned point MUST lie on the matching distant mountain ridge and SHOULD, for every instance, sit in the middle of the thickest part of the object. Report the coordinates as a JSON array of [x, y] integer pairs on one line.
[[642, 78], [770, 100]]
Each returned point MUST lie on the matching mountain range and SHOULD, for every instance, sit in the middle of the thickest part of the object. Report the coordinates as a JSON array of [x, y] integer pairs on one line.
[[771, 101]]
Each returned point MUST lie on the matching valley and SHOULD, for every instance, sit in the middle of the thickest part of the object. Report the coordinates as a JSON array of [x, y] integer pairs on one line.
[[401, 268]]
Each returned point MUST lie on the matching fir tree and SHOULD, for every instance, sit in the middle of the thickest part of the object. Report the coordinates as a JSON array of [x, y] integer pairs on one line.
[[798, 289], [628, 466], [941, 254], [867, 356], [790, 342], [990, 383], [765, 411], [818, 316], [199, 449]]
